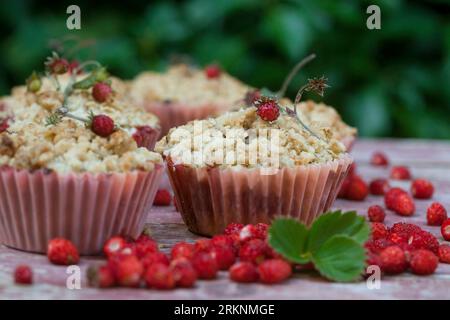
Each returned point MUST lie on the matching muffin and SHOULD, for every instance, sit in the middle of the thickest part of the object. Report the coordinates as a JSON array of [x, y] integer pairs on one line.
[[185, 93], [64, 176], [240, 168], [322, 115]]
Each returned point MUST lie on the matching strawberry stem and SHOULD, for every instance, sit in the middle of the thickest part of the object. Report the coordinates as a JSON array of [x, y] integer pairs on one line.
[[292, 74]]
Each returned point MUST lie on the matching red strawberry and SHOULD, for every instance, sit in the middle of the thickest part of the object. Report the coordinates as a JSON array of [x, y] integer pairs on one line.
[[224, 256], [205, 265], [162, 198], [244, 272], [233, 228], [213, 71], [376, 213], [342, 194], [379, 159], [182, 250], [127, 270], [445, 229], [391, 195], [160, 276], [400, 173], [404, 205], [444, 253], [101, 277], [274, 271], [423, 262], [393, 260], [436, 214], [253, 251], [62, 251], [184, 273], [101, 92], [154, 257], [114, 245], [102, 125], [379, 187], [357, 189], [379, 230], [203, 245], [143, 248], [23, 275], [267, 109], [422, 189]]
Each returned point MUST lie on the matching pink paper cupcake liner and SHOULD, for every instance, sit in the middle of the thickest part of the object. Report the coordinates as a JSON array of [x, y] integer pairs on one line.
[[175, 114], [211, 198], [87, 209], [348, 142]]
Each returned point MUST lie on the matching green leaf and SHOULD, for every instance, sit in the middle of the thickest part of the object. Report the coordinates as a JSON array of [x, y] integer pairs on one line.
[[337, 223], [340, 258], [288, 237]]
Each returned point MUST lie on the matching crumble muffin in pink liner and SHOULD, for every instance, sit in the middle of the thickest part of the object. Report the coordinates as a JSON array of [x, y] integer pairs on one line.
[[61, 179], [184, 93], [211, 194]]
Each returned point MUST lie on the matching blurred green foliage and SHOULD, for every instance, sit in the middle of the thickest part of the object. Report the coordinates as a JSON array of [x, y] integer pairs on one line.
[[388, 82]]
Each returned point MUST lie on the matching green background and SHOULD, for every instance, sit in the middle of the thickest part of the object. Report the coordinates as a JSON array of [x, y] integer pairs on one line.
[[388, 82]]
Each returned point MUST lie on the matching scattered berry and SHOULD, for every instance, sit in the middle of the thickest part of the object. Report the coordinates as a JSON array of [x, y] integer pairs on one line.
[[422, 189], [160, 276], [253, 251], [154, 257], [212, 71], [376, 213], [436, 214], [379, 159], [114, 245], [342, 194], [101, 277], [357, 189], [445, 229], [143, 136], [262, 230], [377, 245], [182, 250], [23, 275], [390, 197], [274, 271], [404, 205], [423, 262], [244, 272], [205, 265], [393, 260], [203, 245], [102, 125], [127, 270], [379, 187], [162, 198], [101, 92], [444, 253], [233, 228], [400, 173], [267, 109], [224, 256], [143, 248], [183, 272], [379, 230], [223, 240], [62, 251]]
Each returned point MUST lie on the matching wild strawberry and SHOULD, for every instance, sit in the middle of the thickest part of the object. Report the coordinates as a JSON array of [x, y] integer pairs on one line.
[[436, 214], [182, 250], [357, 189], [267, 109], [74, 64], [390, 197], [393, 260], [233, 228], [249, 232], [444, 253], [114, 245], [183, 272], [244, 272], [203, 245], [4, 125], [404, 205], [127, 270], [154, 257], [205, 265], [262, 229], [253, 251], [445, 229], [143, 135], [376, 213], [101, 92], [128, 250], [422, 240], [159, 276], [224, 255], [162, 198], [400, 173], [102, 125], [274, 271], [62, 251], [422, 189], [405, 228], [377, 245], [23, 275], [379, 187], [58, 66], [342, 194], [222, 240], [423, 262], [101, 277], [379, 230], [212, 71], [379, 159], [251, 96], [142, 248], [353, 169]]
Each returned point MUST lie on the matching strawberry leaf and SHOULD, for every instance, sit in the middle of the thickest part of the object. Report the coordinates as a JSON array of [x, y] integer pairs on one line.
[[340, 258], [337, 223], [288, 238]]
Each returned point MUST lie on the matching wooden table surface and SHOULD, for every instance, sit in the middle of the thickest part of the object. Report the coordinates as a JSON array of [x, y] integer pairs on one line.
[[429, 159]]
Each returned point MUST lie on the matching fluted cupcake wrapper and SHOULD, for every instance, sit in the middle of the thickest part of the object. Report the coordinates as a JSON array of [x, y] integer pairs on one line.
[[211, 198], [348, 142], [87, 209], [176, 114]]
